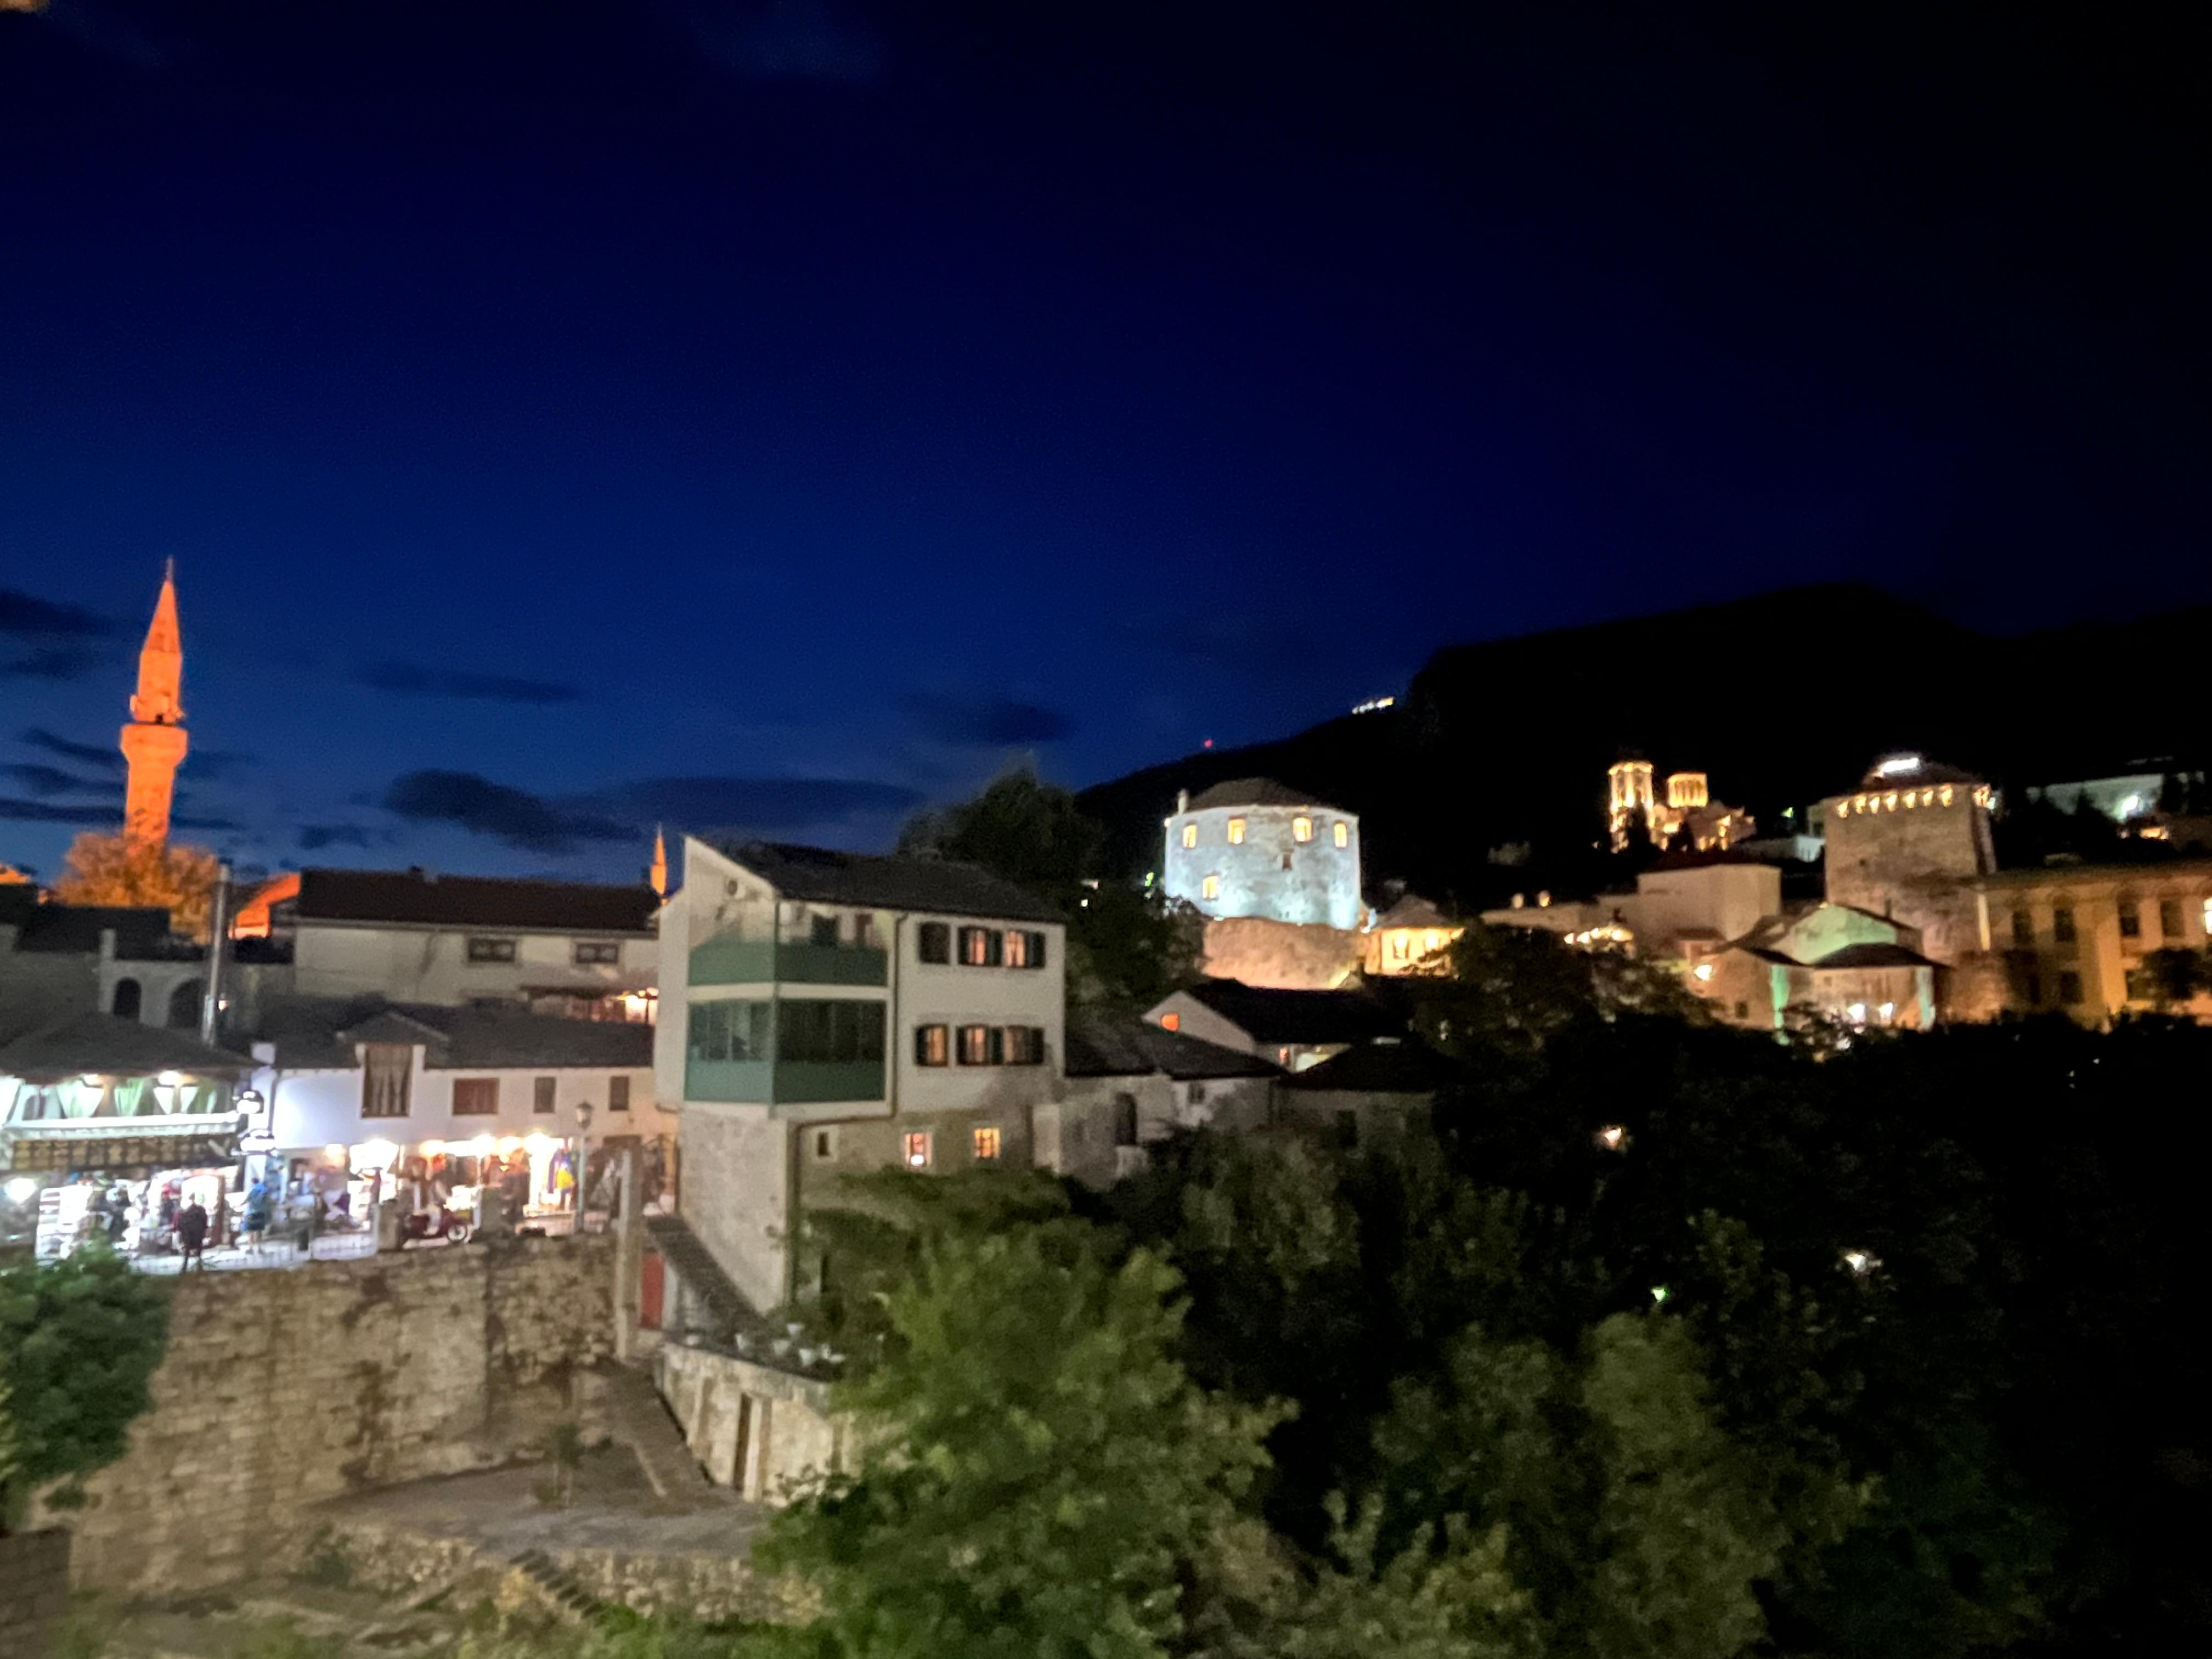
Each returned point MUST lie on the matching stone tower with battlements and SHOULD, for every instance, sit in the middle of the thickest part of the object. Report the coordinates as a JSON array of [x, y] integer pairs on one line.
[[153, 742]]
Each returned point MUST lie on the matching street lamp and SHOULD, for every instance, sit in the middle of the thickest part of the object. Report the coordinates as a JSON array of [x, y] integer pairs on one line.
[[583, 1157]]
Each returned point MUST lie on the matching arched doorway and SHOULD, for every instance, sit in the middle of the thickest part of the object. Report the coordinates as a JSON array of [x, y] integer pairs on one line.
[[128, 994], [184, 1007]]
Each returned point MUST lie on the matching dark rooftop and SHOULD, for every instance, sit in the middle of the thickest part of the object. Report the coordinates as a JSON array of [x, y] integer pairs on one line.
[[1106, 1045], [1381, 1068], [313, 1033], [102, 1043], [75, 929], [936, 886], [1254, 792], [1871, 956], [1271, 1016], [421, 898]]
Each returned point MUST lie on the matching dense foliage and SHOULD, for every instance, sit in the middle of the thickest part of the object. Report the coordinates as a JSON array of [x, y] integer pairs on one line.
[[1129, 946], [111, 869], [79, 1341]]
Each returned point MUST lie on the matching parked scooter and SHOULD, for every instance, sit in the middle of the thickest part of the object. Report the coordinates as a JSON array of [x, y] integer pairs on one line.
[[452, 1225]]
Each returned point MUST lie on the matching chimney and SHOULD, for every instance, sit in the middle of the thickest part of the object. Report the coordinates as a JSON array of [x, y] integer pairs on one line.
[[1182, 800]]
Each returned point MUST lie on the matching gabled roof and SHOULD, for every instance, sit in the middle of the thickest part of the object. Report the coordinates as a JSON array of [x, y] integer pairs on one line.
[[1380, 1068], [1266, 1015], [1413, 911], [1105, 1045], [1254, 792], [1871, 956], [420, 898], [102, 1043], [319, 1034], [822, 875]]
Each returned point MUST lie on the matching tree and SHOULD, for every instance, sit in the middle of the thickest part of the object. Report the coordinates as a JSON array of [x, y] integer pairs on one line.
[[79, 1342], [2174, 975], [1127, 948], [112, 870], [1039, 1477]]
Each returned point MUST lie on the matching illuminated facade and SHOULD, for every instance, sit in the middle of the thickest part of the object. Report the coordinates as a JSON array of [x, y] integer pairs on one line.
[[153, 742], [1405, 935], [1904, 843], [1688, 818], [1254, 848]]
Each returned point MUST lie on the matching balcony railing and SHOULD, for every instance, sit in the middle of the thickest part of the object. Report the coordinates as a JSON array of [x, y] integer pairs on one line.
[[757, 962]]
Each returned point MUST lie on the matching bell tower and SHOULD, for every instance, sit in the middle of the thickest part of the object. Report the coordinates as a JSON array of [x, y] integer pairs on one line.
[[153, 743]]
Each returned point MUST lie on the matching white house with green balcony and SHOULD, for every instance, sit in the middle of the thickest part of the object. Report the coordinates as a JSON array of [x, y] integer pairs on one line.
[[824, 1013]]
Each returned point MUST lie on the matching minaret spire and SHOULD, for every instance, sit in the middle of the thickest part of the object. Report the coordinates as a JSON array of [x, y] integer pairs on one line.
[[658, 877], [154, 742]]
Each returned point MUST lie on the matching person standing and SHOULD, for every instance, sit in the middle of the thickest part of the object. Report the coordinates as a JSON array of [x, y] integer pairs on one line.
[[191, 1235]]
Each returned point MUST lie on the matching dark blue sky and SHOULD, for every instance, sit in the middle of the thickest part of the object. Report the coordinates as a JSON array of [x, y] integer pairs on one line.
[[779, 415]]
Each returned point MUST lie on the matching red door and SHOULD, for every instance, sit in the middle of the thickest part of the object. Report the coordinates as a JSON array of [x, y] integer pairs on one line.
[[650, 1282]]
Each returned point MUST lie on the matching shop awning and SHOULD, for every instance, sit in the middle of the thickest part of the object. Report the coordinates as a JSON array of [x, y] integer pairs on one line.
[[118, 1144], [87, 1045]]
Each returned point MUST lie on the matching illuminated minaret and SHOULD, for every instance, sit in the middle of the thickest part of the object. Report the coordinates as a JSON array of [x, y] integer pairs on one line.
[[660, 876], [154, 742]]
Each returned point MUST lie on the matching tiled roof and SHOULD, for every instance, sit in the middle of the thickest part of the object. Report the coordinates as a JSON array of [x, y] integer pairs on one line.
[[1383, 1069], [75, 929], [319, 1033], [1871, 956], [1254, 792], [1105, 1045], [1413, 911], [116, 1047], [421, 898], [1266, 1015], [934, 886]]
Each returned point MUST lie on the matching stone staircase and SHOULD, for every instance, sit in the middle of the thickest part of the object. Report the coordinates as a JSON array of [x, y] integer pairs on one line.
[[636, 1417], [567, 1597]]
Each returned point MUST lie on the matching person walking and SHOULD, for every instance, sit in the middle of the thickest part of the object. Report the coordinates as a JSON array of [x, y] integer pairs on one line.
[[191, 1235]]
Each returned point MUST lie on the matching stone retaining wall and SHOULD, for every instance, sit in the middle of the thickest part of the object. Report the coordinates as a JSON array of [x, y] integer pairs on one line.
[[280, 1389], [751, 1426], [34, 1589]]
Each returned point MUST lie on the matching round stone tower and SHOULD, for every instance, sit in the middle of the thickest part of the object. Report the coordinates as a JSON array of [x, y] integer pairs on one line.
[[1252, 847]]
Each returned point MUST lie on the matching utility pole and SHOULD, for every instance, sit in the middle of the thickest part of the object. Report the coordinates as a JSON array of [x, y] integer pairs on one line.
[[218, 926]]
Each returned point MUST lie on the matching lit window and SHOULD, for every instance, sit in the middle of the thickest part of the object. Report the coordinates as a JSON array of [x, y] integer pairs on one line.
[[1174, 1022], [1344, 835], [1431, 939], [933, 1045], [917, 1150], [1301, 828], [1024, 1045], [2208, 918], [987, 1146], [982, 1045], [1282, 1056], [1210, 887], [1235, 832], [1017, 951], [1702, 970], [1401, 946], [981, 947], [1190, 835]]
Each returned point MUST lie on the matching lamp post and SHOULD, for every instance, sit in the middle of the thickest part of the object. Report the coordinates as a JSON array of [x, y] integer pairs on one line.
[[583, 1159]]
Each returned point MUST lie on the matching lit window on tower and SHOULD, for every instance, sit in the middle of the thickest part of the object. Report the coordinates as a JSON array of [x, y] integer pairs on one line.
[[1235, 832], [1301, 828], [1190, 835], [1210, 887], [1344, 835]]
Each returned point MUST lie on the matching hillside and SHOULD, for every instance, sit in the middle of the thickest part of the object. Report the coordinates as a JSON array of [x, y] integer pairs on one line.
[[1780, 699]]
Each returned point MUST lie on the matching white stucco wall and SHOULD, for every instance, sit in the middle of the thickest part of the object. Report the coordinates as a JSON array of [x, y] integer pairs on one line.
[[313, 1109], [1270, 874], [431, 965]]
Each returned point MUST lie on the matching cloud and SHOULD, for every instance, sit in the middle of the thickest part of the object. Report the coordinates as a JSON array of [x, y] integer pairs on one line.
[[986, 721], [313, 837], [46, 780], [26, 617], [85, 754], [756, 803], [409, 679], [214, 765], [52, 662], [41, 812], [506, 814]]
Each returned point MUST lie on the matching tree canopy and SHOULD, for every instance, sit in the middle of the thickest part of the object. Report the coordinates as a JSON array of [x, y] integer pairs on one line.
[[114, 870]]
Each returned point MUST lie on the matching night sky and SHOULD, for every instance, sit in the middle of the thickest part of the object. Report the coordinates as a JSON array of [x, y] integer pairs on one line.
[[564, 416]]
